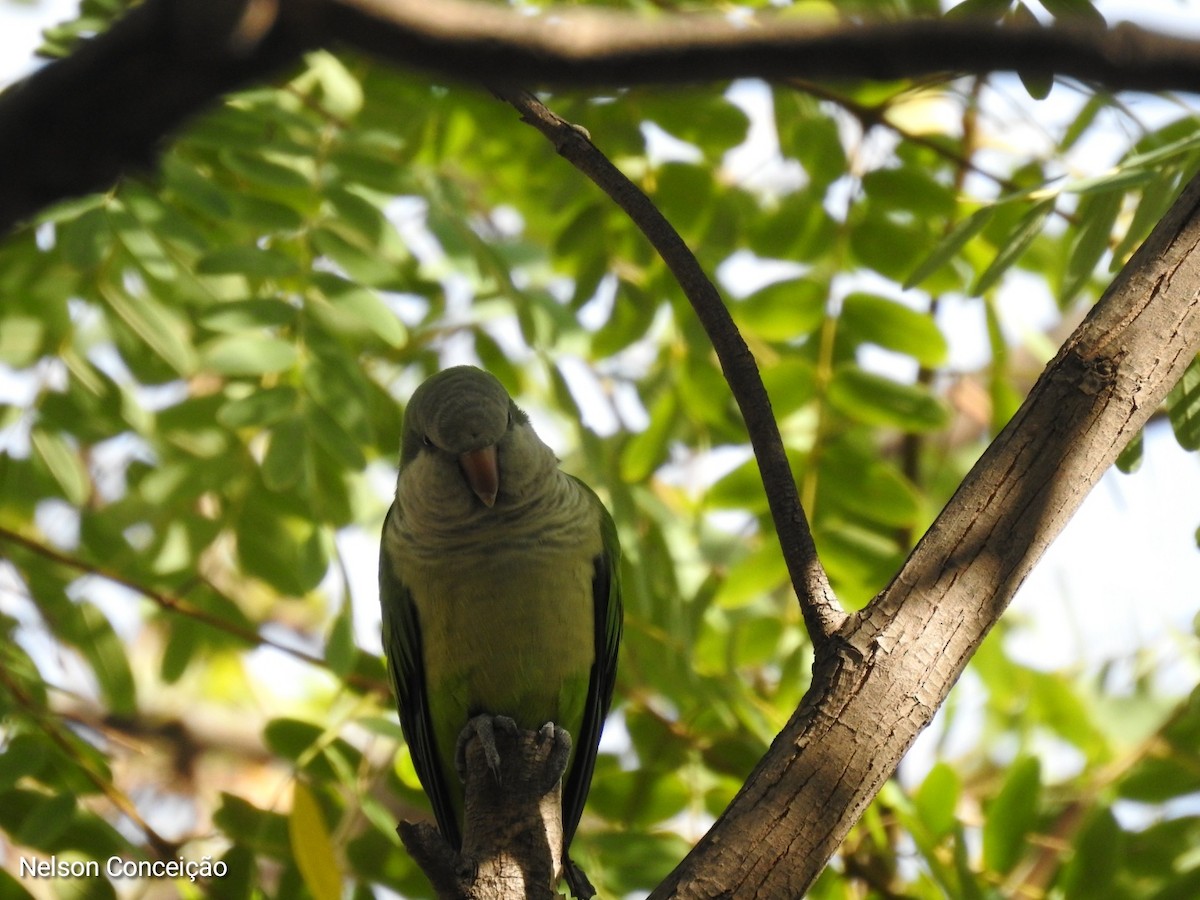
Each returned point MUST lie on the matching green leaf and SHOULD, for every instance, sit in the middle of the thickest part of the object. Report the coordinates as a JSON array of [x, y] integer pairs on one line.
[[1130, 459], [936, 800], [1147, 159], [46, 821], [1079, 11], [782, 311], [275, 173], [1096, 104], [1183, 407], [700, 117], [341, 92], [312, 846], [279, 545], [1098, 213], [145, 248], [287, 455], [329, 433], [248, 315], [254, 262], [164, 334], [877, 320], [753, 577], [339, 646], [1011, 816], [64, 465], [1015, 244], [361, 310], [1096, 865], [263, 407], [105, 653], [949, 246], [637, 798], [246, 354], [1038, 85], [888, 244], [984, 9], [20, 340], [646, 451], [876, 400]]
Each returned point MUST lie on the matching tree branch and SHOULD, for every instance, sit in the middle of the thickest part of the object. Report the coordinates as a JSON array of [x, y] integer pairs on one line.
[[822, 615], [512, 825], [178, 605], [578, 46], [61, 737], [899, 657], [81, 122]]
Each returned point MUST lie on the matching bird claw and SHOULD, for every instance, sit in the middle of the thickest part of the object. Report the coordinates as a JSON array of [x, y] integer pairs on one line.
[[483, 727], [555, 747]]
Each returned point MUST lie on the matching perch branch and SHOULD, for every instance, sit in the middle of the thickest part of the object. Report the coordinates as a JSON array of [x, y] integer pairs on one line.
[[512, 825]]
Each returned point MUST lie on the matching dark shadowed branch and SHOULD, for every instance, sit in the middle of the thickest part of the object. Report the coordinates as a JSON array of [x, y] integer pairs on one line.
[[81, 122]]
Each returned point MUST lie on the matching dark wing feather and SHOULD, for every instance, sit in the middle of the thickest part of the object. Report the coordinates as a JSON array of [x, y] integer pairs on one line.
[[606, 604], [402, 644]]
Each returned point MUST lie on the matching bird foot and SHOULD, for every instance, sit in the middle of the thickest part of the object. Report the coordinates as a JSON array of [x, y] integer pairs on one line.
[[483, 727], [554, 744]]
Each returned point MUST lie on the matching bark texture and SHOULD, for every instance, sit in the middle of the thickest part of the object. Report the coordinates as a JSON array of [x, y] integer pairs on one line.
[[890, 667]]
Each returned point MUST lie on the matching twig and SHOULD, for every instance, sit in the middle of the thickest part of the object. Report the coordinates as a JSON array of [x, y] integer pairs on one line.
[[163, 847], [822, 615], [178, 605]]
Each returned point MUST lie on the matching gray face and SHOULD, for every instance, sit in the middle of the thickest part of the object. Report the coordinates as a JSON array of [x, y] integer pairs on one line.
[[456, 411], [467, 449]]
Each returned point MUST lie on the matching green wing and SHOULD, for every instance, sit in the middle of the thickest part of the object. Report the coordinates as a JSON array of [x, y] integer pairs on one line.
[[402, 644], [606, 604]]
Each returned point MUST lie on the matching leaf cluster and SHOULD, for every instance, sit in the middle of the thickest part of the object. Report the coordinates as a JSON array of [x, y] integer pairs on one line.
[[205, 371]]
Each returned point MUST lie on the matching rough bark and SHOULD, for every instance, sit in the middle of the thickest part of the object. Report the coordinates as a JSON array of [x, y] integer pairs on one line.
[[512, 829], [880, 682]]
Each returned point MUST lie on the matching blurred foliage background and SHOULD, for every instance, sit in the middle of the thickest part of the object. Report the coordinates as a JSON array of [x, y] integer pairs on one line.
[[203, 374]]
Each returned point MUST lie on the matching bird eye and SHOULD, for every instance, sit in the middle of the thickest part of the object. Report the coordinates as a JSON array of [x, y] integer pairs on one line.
[[426, 441]]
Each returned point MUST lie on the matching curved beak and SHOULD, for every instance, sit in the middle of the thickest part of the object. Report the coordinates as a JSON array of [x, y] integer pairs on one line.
[[482, 471]]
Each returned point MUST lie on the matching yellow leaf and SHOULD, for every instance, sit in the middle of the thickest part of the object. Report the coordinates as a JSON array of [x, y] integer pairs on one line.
[[312, 846]]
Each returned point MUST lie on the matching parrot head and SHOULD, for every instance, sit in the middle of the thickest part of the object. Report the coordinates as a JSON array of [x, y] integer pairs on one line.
[[462, 432]]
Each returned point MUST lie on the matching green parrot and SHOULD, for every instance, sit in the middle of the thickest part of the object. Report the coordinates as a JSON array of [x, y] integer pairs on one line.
[[498, 579]]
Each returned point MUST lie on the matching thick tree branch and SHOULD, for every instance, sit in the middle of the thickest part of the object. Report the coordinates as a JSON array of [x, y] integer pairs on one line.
[[900, 656], [468, 38], [81, 122], [822, 615]]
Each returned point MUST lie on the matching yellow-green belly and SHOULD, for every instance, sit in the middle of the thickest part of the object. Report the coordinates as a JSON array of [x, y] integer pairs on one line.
[[510, 635]]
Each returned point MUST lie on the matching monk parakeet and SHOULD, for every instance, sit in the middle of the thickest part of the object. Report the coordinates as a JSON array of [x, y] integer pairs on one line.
[[499, 585]]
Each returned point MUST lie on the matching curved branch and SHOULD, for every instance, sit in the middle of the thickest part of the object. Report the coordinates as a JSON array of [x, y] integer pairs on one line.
[[822, 615], [81, 122]]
